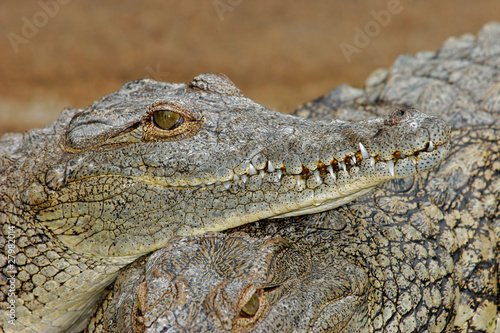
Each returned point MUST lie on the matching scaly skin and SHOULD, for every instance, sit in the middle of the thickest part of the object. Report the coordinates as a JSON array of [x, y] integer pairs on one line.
[[416, 255], [101, 186]]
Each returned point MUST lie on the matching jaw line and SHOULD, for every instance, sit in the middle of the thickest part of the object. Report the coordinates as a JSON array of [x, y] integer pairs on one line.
[[324, 206]]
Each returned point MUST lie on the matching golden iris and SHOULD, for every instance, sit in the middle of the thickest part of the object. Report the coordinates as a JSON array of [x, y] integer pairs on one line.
[[166, 120], [138, 303], [252, 306]]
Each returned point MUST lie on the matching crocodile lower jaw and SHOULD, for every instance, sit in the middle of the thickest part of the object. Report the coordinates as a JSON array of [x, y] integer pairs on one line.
[[325, 205]]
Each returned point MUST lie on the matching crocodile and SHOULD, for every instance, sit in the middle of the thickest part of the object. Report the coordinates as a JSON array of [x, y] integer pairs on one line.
[[103, 185], [418, 254]]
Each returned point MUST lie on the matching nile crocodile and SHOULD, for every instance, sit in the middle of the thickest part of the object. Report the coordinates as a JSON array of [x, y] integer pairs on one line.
[[104, 185], [418, 254]]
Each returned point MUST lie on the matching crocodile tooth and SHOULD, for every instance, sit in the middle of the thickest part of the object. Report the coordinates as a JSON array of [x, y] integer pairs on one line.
[[413, 160], [372, 161], [235, 177], [316, 174], [364, 152], [353, 159], [270, 167], [261, 173], [218, 183], [279, 173], [252, 170], [431, 146], [227, 184], [342, 164], [244, 178], [330, 170], [390, 166], [402, 155], [203, 185]]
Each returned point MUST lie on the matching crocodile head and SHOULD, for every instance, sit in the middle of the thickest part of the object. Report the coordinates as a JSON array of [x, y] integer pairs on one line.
[[239, 283], [155, 160]]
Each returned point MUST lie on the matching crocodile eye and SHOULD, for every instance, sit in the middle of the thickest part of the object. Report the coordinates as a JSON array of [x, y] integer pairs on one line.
[[252, 306], [139, 305], [167, 120]]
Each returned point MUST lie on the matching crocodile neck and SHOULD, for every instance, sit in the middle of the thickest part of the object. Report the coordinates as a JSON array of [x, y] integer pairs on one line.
[[53, 282]]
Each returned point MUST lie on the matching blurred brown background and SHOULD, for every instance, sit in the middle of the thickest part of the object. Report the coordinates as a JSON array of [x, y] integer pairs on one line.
[[280, 53]]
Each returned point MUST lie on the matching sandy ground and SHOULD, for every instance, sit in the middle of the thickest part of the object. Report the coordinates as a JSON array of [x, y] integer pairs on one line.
[[280, 53]]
